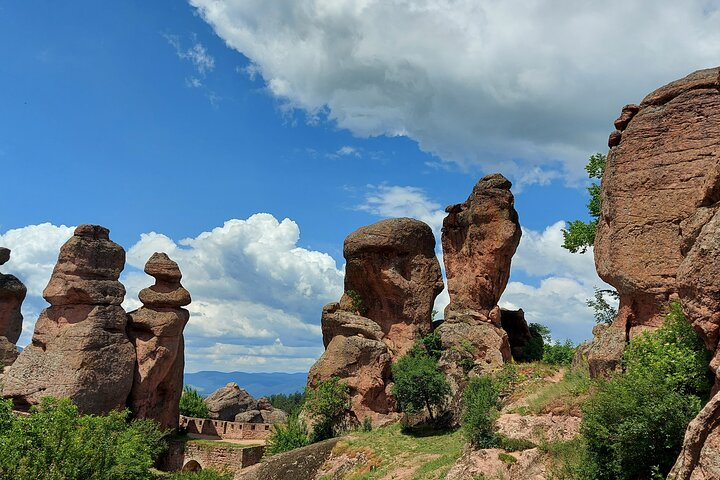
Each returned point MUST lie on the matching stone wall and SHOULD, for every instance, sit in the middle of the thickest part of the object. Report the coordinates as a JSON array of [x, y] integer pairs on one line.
[[183, 455], [226, 430]]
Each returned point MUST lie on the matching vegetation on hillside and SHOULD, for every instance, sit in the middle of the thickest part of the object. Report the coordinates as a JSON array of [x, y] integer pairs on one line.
[[327, 404], [291, 404]]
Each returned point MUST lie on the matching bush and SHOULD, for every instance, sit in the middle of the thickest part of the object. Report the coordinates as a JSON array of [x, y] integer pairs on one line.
[[327, 403], [533, 351], [292, 404], [635, 424], [433, 344], [480, 412], [192, 404], [288, 437], [57, 443], [419, 383], [556, 353]]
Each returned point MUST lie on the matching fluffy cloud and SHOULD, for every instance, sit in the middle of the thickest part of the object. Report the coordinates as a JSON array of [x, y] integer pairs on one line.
[[395, 201], [257, 296], [473, 82]]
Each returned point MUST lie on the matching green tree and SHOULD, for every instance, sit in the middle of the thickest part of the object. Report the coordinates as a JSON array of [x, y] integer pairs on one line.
[[419, 383], [292, 404], [57, 443], [192, 404], [327, 404], [480, 411], [558, 353], [634, 426], [288, 437], [604, 312], [580, 235], [539, 335]]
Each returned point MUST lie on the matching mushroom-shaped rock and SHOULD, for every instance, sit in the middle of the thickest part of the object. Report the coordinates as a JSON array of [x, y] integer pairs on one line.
[[392, 277], [227, 402], [79, 349], [156, 330]]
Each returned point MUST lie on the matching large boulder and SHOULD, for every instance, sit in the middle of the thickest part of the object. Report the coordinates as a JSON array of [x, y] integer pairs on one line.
[[659, 190], [479, 238], [80, 348], [227, 402], [156, 330], [392, 277], [12, 294]]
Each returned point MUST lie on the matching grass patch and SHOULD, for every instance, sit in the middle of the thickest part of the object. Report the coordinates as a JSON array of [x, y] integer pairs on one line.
[[565, 397], [514, 444], [213, 443], [507, 458], [564, 458], [431, 452]]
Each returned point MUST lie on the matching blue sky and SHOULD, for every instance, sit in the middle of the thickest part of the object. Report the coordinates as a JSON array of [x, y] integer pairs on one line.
[[175, 118]]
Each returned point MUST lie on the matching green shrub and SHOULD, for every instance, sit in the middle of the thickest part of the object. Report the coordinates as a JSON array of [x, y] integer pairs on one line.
[[507, 458], [534, 349], [556, 353], [634, 426], [327, 403], [513, 444], [433, 344], [480, 412], [419, 383], [287, 437], [506, 379], [192, 404], [57, 443], [357, 302], [366, 425]]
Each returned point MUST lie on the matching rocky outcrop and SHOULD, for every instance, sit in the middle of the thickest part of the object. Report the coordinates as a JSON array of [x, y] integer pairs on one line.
[[12, 294], [391, 280], [479, 238], [659, 190], [227, 402], [156, 330], [392, 277], [80, 348], [657, 236], [603, 353]]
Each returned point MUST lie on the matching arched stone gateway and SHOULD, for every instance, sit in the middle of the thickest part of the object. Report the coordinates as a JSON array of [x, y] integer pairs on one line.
[[192, 466]]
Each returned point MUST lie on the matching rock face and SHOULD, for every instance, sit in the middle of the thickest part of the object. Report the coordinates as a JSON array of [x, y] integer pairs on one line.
[[227, 402], [394, 275], [80, 348], [479, 238], [659, 191], [12, 294], [391, 280], [657, 237], [156, 330]]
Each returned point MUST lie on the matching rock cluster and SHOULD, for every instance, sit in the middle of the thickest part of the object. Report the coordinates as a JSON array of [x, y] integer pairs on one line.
[[80, 348], [391, 280], [234, 404], [479, 238], [156, 330], [12, 294]]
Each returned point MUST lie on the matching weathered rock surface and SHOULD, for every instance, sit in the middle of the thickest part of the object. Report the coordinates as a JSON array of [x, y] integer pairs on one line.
[[156, 330], [12, 294], [392, 267], [486, 463], [657, 237], [479, 238], [364, 364], [517, 329], [391, 280], [301, 463], [79, 348], [603, 353], [227, 402], [538, 428], [659, 189]]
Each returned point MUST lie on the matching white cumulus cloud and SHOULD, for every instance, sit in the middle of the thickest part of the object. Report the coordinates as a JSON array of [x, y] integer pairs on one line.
[[529, 91]]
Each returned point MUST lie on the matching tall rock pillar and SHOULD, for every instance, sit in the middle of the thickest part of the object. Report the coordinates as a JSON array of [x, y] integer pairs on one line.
[[12, 294]]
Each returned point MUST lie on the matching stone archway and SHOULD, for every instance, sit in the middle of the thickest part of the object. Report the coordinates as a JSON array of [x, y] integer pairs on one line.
[[192, 466]]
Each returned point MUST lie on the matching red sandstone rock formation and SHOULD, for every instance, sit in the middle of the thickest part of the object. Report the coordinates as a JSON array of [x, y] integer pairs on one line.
[[156, 330], [517, 329], [479, 238], [391, 280], [12, 294], [392, 267], [79, 349]]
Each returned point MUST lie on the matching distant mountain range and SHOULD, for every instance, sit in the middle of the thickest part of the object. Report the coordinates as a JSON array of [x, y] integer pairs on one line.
[[257, 384]]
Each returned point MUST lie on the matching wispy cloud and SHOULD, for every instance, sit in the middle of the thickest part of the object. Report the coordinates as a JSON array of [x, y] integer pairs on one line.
[[197, 54]]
